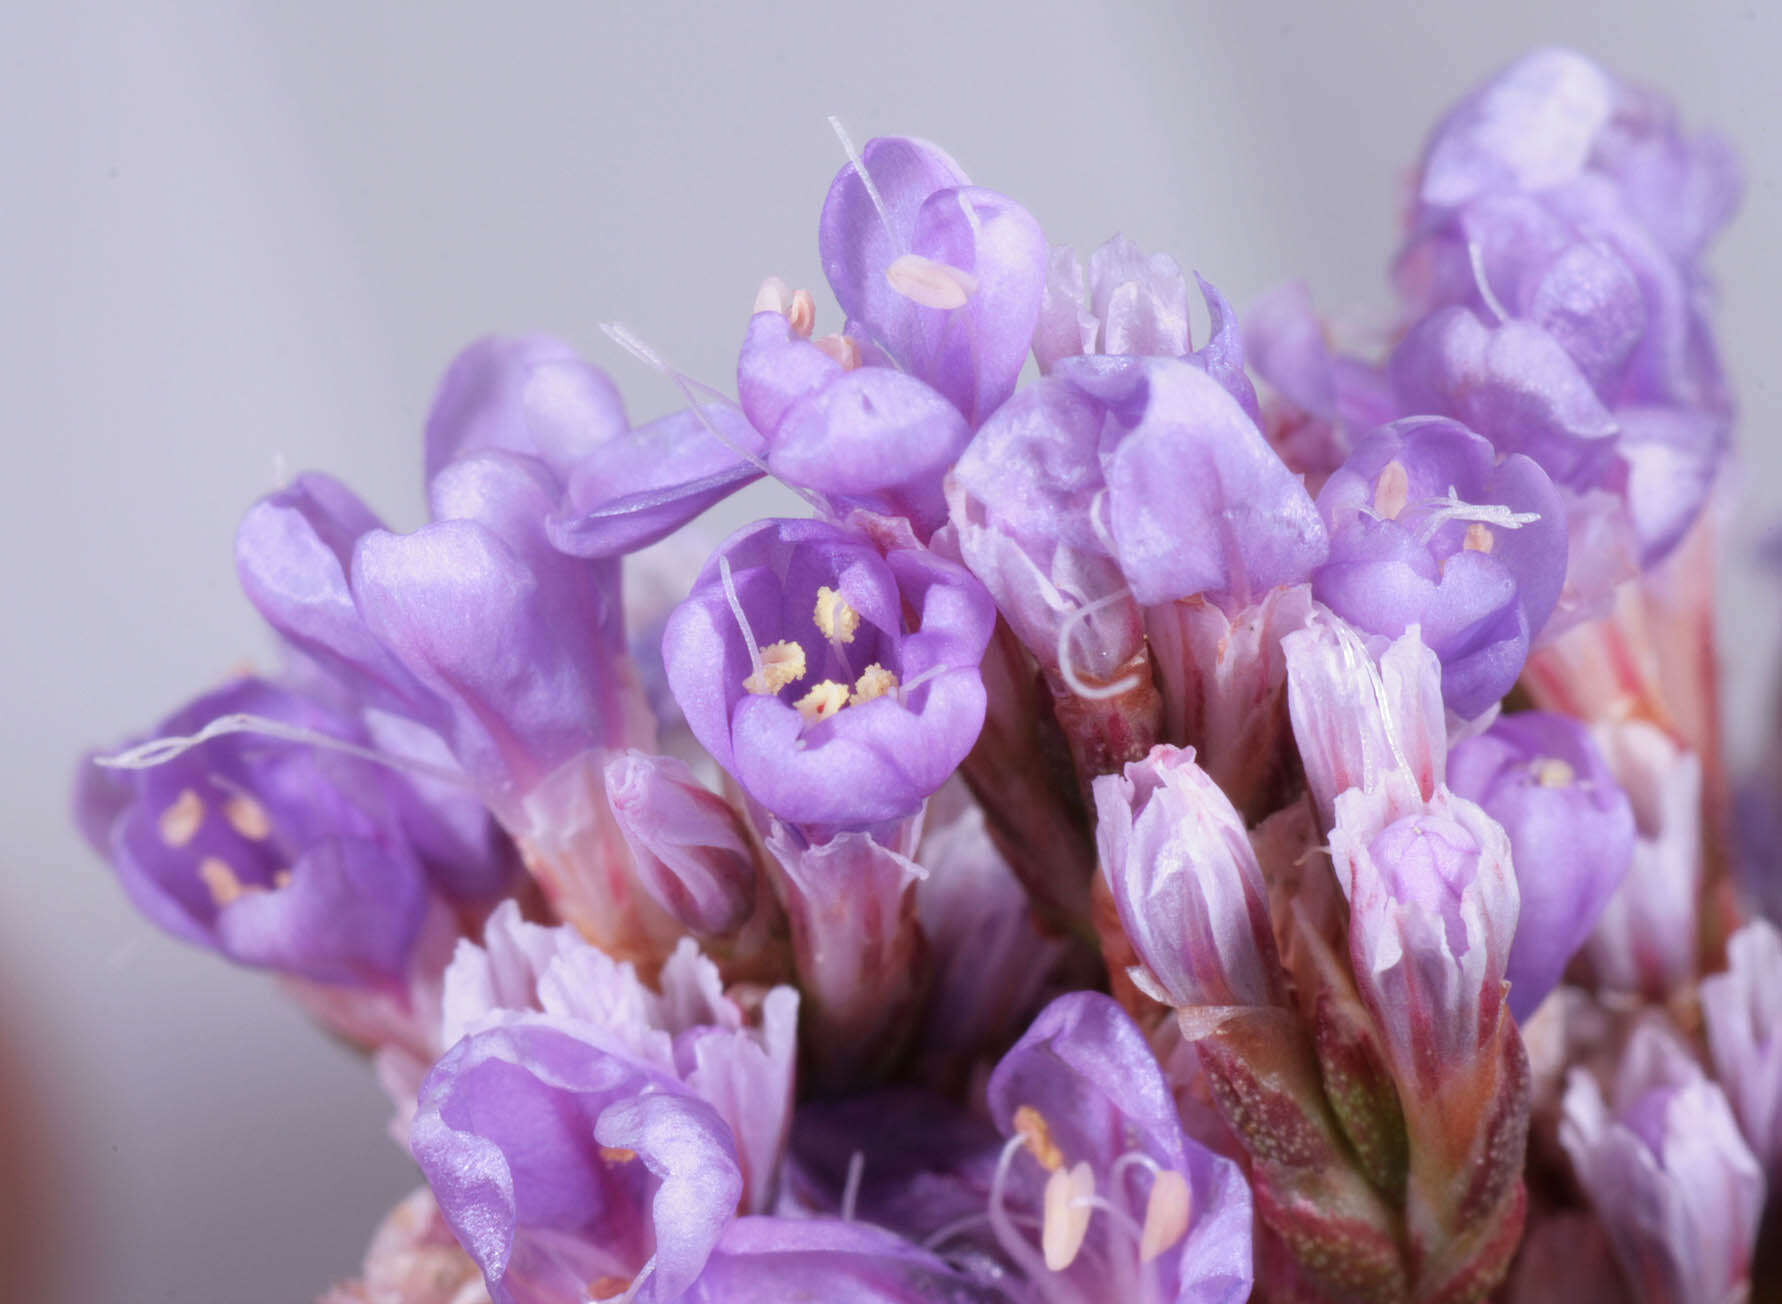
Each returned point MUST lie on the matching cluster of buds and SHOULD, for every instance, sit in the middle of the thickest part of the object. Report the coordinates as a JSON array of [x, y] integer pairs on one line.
[[1144, 838]]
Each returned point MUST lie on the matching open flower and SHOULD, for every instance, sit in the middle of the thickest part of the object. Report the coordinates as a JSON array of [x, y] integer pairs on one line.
[[837, 683]]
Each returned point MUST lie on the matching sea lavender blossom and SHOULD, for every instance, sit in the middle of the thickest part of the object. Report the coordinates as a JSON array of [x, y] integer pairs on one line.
[[1182, 873], [270, 849], [1116, 483], [837, 683], [569, 1169], [1571, 830], [1429, 528], [1674, 1184], [1743, 1012], [940, 277], [1552, 251]]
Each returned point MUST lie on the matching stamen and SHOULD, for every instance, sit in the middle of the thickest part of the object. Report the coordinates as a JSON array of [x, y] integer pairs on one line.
[[777, 665], [1067, 1215], [742, 619], [617, 1154], [1166, 1214], [248, 817], [1072, 680], [282, 879], [1479, 538], [933, 672], [851, 1188], [931, 283], [843, 348], [1551, 772], [1476, 255], [1031, 1127], [1392, 490], [823, 701], [774, 296], [1454, 508], [1012, 1242], [220, 879], [180, 822], [158, 751], [872, 191], [874, 682], [836, 620]]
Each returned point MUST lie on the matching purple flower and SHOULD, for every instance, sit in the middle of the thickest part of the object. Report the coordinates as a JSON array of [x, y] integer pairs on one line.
[[771, 1260], [1125, 475], [1128, 304], [689, 1028], [1362, 721], [943, 277], [1645, 940], [837, 684], [1571, 831], [1428, 528], [568, 1169], [1671, 1179], [1552, 255], [1179, 864], [688, 847], [276, 853], [1743, 1011], [871, 437], [1129, 1207], [1432, 913]]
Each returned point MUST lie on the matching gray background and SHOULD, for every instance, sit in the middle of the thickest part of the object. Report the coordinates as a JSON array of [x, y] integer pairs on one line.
[[244, 238]]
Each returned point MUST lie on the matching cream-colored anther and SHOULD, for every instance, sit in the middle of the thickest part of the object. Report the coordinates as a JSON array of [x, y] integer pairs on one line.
[[1391, 491], [874, 682], [774, 296], [1030, 1126], [220, 879], [836, 620], [842, 348], [248, 817], [617, 1154], [1066, 1218], [782, 663], [1551, 772], [802, 314], [1166, 1214], [1479, 538], [929, 283], [823, 701], [180, 821], [607, 1288], [282, 879]]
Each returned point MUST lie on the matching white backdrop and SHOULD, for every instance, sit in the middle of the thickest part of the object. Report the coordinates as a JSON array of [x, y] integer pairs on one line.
[[236, 238]]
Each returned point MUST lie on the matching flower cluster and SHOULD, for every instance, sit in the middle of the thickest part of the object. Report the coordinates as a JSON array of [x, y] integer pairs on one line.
[[1146, 836]]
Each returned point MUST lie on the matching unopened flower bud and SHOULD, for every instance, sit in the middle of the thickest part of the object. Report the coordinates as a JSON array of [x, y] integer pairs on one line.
[[687, 845]]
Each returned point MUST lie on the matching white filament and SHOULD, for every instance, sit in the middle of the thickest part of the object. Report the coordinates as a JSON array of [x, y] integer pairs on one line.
[[742, 619], [851, 1190], [158, 751], [1074, 681], [1476, 254], [872, 191]]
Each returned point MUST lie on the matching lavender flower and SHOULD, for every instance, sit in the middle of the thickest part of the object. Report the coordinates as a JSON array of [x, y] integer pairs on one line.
[[1185, 880], [274, 852], [942, 277], [1128, 303], [1743, 1011], [1571, 830], [1673, 1182], [799, 670], [1428, 529]]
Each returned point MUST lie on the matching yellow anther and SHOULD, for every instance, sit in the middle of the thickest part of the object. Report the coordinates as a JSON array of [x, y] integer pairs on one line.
[[836, 620], [617, 1154], [929, 283], [1391, 491], [1479, 538], [1166, 1214], [180, 821], [1030, 1126], [823, 701], [1551, 772], [220, 879], [1067, 1210], [248, 817], [874, 682], [782, 663], [609, 1287]]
